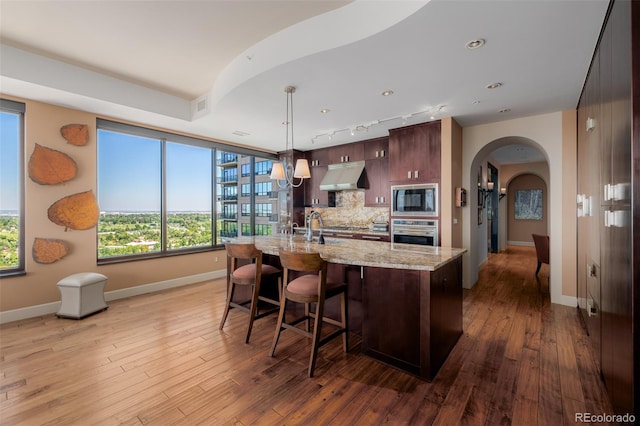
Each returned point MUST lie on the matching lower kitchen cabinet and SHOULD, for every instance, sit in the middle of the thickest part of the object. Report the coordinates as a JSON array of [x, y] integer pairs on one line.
[[412, 319]]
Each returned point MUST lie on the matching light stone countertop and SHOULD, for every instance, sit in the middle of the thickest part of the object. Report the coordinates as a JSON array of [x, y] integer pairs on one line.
[[360, 252]]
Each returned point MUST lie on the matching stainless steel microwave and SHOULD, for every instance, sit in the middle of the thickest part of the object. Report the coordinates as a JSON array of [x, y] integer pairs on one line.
[[414, 200]]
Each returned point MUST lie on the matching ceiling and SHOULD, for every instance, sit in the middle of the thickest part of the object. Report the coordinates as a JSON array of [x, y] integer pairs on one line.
[[219, 68]]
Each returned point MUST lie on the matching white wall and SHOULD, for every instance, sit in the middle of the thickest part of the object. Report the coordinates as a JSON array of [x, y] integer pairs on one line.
[[544, 132]]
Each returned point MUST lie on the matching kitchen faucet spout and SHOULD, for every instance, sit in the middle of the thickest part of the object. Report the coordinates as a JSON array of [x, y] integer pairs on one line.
[[309, 233]]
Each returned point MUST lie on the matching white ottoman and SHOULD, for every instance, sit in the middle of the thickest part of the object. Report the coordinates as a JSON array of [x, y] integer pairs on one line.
[[82, 295]]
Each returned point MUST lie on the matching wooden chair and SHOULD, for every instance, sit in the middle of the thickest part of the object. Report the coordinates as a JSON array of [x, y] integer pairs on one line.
[[253, 274], [311, 288], [542, 249]]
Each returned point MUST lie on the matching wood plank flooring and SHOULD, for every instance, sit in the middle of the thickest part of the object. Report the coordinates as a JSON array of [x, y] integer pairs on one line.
[[159, 359]]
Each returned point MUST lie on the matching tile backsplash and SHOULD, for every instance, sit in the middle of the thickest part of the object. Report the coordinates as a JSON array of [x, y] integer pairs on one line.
[[350, 211]]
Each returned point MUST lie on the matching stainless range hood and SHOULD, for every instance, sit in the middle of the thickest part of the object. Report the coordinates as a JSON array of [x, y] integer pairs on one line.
[[343, 176]]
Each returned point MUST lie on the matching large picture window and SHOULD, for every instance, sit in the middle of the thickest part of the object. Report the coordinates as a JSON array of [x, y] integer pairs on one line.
[[11, 187], [163, 194]]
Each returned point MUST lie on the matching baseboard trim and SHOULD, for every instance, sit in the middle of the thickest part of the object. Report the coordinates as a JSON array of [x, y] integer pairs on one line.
[[521, 243], [53, 307]]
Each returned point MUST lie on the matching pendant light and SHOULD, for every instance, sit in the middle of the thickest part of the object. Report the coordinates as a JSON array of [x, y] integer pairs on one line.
[[283, 172]]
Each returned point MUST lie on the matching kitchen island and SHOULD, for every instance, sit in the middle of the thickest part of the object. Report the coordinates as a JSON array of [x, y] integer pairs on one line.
[[405, 300]]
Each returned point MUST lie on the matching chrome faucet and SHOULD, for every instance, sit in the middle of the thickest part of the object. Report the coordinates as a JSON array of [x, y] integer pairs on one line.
[[309, 234]]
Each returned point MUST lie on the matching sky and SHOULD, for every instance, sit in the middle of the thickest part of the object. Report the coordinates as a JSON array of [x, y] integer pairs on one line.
[[9, 131], [129, 174]]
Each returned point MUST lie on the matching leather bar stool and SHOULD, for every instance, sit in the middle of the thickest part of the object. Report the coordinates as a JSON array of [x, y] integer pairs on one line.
[[253, 274], [312, 287]]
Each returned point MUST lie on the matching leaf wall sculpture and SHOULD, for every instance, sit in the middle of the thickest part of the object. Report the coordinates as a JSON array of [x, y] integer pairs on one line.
[[49, 250], [75, 134], [78, 211], [49, 167]]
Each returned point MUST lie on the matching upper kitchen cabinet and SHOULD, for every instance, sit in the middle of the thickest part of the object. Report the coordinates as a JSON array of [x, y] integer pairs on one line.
[[376, 156], [346, 153], [414, 153], [318, 162], [377, 192], [376, 149]]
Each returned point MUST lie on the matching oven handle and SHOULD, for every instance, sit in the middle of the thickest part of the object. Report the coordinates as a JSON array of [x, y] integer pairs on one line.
[[428, 233]]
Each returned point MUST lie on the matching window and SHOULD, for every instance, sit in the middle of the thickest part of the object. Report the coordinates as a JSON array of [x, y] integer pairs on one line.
[[229, 229], [189, 215], [262, 229], [263, 188], [246, 209], [263, 210], [230, 193], [230, 175], [246, 190], [246, 229], [230, 211], [263, 167], [156, 192], [246, 170], [11, 187]]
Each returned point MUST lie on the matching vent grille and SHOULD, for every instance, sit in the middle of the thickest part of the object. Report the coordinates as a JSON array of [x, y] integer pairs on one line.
[[200, 107]]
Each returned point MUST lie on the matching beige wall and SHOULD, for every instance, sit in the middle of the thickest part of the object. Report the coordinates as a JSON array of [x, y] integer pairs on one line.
[[451, 178], [38, 286], [552, 134], [519, 231], [508, 172]]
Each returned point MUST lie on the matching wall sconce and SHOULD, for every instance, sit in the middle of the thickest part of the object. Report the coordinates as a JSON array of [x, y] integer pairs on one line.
[[486, 192], [503, 193]]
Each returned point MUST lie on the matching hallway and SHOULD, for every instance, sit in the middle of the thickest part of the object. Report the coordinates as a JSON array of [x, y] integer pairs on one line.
[[531, 358], [159, 359]]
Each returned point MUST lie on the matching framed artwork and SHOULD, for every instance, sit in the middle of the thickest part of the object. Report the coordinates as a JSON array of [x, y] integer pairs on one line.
[[528, 204]]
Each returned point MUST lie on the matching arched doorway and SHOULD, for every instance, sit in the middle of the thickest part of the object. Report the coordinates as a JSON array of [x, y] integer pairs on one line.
[[554, 135], [495, 167]]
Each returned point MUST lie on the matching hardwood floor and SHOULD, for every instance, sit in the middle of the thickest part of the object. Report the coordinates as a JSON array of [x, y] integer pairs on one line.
[[160, 359]]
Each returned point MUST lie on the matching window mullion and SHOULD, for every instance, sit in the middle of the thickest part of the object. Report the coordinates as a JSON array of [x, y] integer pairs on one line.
[[163, 197], [214, 195]]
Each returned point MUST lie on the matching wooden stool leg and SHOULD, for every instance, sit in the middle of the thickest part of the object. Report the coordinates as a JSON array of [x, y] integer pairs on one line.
[[230, 287], [283, 306], [254, 308], [316, 336], [307, 314], [345, 321]]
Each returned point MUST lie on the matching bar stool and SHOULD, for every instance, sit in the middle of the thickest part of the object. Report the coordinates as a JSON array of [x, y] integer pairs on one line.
[[310, 288], [250, 274]]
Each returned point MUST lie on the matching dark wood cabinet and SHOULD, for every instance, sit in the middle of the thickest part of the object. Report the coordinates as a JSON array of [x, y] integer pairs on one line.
[[608, 221], [414, 153], [446, 310], [402, 304], [377, 193], [318, 162], [346, 153], [375, 149], [376, 169]]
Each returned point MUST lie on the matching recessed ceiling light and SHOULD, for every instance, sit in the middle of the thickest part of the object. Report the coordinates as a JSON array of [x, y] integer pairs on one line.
[[504, 110], [494, 85], [325, 110], [474, 44], [387, 93]]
